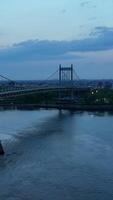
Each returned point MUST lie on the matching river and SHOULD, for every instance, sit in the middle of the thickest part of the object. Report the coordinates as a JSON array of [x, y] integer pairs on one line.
[[53, 155]]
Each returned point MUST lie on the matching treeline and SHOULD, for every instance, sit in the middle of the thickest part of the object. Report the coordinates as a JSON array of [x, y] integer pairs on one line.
[[90, 97], [97, 97]]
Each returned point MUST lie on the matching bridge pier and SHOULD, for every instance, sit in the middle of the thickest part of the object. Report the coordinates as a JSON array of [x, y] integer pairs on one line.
[[1, 149]]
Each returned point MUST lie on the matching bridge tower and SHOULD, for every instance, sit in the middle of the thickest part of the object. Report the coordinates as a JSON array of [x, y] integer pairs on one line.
[[65, 74], [66, 77]]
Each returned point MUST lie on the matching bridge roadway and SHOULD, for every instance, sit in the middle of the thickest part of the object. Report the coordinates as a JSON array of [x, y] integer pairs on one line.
[[39, 89], [27, 91]]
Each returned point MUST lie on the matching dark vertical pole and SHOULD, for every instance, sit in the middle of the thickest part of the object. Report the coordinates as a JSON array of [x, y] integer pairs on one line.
[[72, 92], [71, 72], [60, 79], [1, 149], [60, 74]]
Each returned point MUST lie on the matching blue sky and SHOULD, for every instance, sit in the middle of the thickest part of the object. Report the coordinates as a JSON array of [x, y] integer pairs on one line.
[[37, 35]]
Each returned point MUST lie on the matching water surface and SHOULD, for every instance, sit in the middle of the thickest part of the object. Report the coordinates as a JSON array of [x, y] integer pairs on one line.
[[52, 155]]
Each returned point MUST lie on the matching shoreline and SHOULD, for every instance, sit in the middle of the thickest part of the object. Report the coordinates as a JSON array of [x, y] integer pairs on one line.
[[55, 106]]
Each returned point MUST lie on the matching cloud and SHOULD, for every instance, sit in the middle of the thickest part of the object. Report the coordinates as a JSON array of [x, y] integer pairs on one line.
[[100, 39], [85, 3]]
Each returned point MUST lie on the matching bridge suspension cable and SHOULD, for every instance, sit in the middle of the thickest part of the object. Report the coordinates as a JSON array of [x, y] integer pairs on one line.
[[76, 75], [65, 75], [6, 78], [53, 74]]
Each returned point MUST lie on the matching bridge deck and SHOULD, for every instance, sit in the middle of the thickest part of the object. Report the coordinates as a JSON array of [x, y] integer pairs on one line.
[[24, 91]]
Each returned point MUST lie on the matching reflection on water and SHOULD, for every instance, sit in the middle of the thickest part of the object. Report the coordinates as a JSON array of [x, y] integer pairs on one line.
[[56, 155]]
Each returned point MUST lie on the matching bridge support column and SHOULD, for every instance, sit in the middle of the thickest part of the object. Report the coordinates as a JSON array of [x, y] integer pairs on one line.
[[72, 91], [66, 76], [1, 149]]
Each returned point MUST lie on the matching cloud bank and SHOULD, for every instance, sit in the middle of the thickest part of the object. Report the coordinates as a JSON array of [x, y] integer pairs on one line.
[[85, 3], [101, 39]]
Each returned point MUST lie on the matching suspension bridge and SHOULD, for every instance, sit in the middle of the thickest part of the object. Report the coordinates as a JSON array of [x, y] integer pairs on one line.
[[64, 76]]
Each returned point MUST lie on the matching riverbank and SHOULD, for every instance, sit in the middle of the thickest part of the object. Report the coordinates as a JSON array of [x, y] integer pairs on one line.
[[55, 106]]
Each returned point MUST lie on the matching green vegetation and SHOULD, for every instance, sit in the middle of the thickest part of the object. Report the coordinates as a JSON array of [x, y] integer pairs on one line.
[[97, 97], [89, 97], [32, 99]]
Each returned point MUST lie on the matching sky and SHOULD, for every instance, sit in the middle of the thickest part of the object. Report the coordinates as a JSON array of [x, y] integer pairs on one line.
[[36, 36]]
